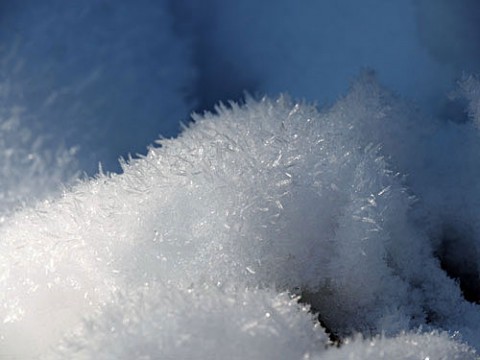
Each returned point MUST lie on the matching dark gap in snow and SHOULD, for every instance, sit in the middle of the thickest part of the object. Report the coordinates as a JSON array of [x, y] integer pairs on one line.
[[335, 339], [454, 110], [457, 254], [184, 25], [450, 32], [218, 79]]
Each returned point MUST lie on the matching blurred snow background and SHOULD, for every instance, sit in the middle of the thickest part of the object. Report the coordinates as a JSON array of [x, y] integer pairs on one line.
[[345, 213]]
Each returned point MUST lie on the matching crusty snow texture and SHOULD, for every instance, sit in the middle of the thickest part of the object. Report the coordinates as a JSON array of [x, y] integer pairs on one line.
[[204, 323], [412, 346], [201, 248]]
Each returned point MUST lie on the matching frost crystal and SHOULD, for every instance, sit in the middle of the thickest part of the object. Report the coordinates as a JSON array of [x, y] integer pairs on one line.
[[267, 197]]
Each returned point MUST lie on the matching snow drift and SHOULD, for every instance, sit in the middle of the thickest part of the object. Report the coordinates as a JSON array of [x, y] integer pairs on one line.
[[269, 229], [213, 238]]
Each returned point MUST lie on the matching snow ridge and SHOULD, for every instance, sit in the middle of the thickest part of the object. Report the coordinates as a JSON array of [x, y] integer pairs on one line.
[[255, 200]]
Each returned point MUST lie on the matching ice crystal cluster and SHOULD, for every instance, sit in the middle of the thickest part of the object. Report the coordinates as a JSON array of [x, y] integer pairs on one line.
[[264, 198], [269, 228]]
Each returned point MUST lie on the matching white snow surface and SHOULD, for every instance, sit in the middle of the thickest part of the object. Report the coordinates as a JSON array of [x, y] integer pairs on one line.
[[203, 323], [203, 247], [269, 228]]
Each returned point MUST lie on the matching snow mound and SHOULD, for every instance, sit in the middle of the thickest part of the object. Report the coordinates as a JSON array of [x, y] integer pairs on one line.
[[409, 346], [234, 323], [203, 323], [271, 196]]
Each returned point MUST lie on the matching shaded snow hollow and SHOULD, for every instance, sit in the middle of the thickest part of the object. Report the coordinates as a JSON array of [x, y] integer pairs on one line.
[[252, 231], [73, 72]]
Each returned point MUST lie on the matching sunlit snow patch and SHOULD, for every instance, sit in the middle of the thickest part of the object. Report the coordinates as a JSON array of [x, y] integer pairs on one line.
[[198, 323], [267, 197]]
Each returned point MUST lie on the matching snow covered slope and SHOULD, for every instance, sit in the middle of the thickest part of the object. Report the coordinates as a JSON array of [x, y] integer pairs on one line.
[[265, 198], [269, 228]]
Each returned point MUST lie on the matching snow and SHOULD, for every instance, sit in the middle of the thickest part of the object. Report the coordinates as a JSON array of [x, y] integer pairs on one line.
[[74, 68], [316, 211], [29, 168], [410, 346], [312, 50], [203, 323], [269, 228]]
